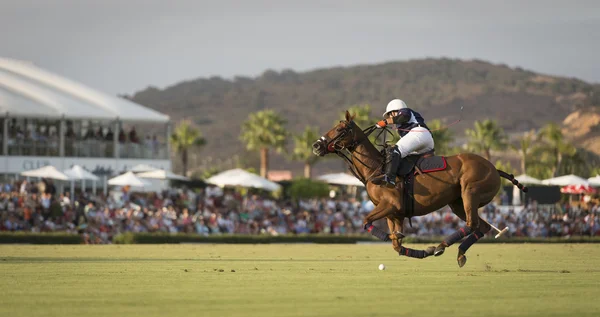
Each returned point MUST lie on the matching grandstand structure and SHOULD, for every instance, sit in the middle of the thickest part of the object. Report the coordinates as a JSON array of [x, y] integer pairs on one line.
[[46, 119]]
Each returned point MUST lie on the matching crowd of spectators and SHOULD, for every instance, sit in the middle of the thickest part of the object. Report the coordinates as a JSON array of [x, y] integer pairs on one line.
[[36, 207]]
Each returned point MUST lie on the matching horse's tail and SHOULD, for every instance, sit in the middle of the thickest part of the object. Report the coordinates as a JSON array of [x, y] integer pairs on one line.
[[512, 179]]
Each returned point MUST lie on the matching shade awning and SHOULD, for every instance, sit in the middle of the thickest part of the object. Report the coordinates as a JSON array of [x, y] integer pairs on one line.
[[340, 179], [46, 172], [242, 178], [22, 84], [566, 180], [161, 174], [128, 179], [594, 181], [78, 172], [526, 179]]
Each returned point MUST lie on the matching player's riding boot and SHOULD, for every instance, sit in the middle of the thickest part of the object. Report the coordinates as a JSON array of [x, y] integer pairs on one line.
[[391, 168]]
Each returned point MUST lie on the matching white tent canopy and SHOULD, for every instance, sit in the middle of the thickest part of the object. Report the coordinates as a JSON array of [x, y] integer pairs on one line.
[[340, 179], [526, 179], [240, 177], [128, 179], [142, 168], [594, 181], [27, 90], [566, 180], [161, 174], [46, 172], [78, 172]]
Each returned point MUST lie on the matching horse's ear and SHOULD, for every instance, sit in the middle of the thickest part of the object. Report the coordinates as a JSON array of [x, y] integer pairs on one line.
[[348, 116]]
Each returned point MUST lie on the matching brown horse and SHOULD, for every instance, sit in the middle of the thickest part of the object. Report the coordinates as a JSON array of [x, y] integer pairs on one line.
[[467, 183]]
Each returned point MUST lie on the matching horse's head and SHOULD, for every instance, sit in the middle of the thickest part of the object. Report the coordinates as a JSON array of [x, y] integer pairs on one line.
[[341, 137]]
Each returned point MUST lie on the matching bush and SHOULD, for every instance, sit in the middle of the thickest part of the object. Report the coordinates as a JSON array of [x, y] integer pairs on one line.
[[151, 238], [40, 238], [163, 238], [308, 188]]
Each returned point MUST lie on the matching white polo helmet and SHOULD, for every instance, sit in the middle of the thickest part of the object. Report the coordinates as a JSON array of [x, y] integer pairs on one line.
[[394, 105]]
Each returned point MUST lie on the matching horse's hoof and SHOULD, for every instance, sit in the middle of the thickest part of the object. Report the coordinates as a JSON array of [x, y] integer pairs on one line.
[[462, 260], [430, 251], [439, 250]]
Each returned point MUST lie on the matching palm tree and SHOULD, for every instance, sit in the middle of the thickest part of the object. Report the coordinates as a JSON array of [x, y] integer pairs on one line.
[[552, 135], [485, 137], [303, 149], [442, 137], [184, 138], [262, 131], [524, 148]]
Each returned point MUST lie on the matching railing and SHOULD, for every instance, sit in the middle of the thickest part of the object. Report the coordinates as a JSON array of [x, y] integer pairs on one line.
[[145, 151], [86, 148], [20, 147]]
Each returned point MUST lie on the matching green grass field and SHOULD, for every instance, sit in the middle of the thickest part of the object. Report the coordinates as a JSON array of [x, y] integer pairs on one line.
[[297, 280]]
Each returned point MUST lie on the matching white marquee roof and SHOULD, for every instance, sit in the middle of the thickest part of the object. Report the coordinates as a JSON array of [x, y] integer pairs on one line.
[[29, 91]]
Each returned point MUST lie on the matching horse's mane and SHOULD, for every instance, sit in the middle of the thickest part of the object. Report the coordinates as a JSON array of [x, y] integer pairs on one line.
[[370, 147]]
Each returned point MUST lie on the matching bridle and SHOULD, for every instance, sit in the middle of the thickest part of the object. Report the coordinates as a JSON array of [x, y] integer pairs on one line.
[[334, 145]]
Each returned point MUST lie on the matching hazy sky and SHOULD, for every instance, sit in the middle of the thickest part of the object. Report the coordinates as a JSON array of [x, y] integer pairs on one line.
[[124, 46]]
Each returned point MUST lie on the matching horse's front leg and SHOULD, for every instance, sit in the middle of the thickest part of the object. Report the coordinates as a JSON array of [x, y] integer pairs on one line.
[[395, 224], [382, 210]]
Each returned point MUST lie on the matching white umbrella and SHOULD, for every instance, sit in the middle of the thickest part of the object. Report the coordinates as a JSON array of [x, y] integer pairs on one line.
[[240, 177], [161, 174], [594, 181], [46, 172], [128, 179], [78, 172], [340, 179], [142, 168], [566, 180], [526, 179]]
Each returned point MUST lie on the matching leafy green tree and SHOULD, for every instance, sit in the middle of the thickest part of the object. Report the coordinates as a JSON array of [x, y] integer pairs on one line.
[[263, 131], [442, 137], [303, 149], [308, 188], [524, 147], [551, 134], [485, 137], [184, 138]]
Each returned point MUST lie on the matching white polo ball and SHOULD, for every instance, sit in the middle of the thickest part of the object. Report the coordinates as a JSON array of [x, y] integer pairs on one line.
[[381, 267]]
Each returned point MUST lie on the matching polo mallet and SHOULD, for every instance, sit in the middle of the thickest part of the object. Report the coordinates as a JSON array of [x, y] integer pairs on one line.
[[500, 232]]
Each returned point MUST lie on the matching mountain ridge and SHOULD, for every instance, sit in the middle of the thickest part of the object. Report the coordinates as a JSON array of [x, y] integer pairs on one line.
[[518, 99]]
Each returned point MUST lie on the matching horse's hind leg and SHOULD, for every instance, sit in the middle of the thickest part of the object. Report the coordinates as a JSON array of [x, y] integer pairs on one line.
[[458, 209], [477, 234]]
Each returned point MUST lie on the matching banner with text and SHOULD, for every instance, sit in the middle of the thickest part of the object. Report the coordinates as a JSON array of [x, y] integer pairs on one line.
[[98, 166]]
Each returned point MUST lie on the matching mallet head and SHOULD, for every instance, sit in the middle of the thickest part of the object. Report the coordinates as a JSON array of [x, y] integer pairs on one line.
[[501, 233]]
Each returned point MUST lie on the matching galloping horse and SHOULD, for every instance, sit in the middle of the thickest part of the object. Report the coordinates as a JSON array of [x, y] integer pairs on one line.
[[466, 183]]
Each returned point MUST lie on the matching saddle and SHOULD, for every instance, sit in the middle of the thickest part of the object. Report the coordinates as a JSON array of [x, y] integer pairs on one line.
[[421, 163], [411, 166]]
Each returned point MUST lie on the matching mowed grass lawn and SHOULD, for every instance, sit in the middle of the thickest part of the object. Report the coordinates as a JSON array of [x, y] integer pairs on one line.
[[297, 280]]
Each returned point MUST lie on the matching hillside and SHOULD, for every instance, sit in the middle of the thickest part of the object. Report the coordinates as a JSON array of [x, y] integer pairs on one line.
[[582, 127], [519, 99]]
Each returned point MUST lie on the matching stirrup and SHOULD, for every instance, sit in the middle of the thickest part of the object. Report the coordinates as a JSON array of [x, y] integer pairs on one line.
[[389, 182]]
